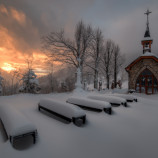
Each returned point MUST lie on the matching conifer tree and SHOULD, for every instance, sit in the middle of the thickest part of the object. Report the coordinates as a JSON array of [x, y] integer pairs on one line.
[[30, 82]]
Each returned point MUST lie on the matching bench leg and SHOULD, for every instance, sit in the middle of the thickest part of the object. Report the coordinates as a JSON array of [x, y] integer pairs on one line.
[[125, 104], [84, 119], [34, 138], [74, 120], [34, 135], [108, 110], [39, 108], [136, 100], [12, 140]]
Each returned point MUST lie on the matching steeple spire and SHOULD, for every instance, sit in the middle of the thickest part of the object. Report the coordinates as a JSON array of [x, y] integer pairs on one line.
[[147, 32], [147, 41]]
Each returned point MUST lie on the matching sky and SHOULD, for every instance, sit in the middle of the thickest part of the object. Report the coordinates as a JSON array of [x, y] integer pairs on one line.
[[24, 22]]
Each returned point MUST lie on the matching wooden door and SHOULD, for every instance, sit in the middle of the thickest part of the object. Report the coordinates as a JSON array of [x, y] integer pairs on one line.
[[147, 83]]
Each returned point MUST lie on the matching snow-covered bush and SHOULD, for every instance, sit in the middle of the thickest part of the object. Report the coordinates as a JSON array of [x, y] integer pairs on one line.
[[30, 82], [1, 89]]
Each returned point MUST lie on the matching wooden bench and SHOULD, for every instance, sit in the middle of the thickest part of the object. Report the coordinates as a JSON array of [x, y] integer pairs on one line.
[[16, 125], [128, 97], [90, 104], [63, 110], [113, 100]]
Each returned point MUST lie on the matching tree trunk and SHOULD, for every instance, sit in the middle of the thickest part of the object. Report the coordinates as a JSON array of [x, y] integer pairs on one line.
[[96, 79], [108, 81], [115, 72]]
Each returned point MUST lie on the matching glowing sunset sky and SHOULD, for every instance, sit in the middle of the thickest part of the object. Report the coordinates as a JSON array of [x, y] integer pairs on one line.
[[23, 22], [19, 40]]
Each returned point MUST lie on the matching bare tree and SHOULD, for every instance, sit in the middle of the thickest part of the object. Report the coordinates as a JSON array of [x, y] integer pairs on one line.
[[95, 54], [5, 87], [15, 80], [64, 50], [51, 78], [117, 62], [107, 60]]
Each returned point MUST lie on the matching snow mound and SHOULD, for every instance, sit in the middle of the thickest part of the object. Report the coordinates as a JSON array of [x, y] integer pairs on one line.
[[15, 122], [62, 108], [88, 103], [108, 98]]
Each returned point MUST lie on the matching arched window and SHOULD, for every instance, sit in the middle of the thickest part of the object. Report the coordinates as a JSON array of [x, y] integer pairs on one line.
[[146, 83]]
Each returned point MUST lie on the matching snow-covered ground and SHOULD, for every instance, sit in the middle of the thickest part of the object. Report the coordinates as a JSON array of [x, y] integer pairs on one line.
[[129, 133]]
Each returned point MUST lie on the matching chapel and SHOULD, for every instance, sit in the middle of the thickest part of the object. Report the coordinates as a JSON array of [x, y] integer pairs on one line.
[[143, 71]]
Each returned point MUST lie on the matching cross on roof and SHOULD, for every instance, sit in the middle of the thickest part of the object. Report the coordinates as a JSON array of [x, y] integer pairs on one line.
[[147, 13], [147, 32]]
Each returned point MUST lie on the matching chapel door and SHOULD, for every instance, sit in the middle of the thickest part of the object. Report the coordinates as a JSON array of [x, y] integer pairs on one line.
[[147, 83]]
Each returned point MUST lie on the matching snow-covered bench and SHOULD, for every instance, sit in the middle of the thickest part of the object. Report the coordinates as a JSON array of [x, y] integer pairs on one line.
[[90, 104], [63, 110], [16, 124], [114, 101], [131, 90], [128, 97]]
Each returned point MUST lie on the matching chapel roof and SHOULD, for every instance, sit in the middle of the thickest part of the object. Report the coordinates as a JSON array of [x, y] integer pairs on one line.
[[146, 55]]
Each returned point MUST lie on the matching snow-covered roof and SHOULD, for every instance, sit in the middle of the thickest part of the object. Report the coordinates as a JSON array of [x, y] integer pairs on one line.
[[147, 39], [145, 55], [149, 54]]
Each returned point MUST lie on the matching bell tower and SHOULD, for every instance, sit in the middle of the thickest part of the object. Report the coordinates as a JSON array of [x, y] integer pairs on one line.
[[147, 41]]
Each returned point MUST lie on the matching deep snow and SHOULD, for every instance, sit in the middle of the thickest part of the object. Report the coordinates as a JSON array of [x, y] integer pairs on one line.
[[128, 133]]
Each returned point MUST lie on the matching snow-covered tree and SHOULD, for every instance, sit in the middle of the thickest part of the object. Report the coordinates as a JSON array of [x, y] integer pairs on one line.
[[1, 89], [30, 82]]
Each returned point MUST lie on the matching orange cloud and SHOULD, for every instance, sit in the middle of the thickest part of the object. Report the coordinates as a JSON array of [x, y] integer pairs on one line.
[[6, 46], [11, 58], [3, 9], [18, 16], [20, 42]]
